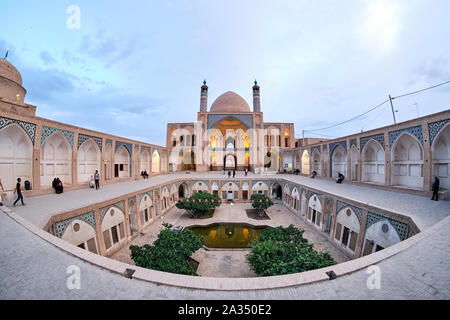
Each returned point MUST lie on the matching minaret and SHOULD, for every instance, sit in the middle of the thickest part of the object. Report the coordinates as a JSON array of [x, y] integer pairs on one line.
[[204, 97], [256, 98]]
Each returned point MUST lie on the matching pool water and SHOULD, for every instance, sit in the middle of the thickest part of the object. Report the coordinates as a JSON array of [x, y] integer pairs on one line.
[[228, 235]]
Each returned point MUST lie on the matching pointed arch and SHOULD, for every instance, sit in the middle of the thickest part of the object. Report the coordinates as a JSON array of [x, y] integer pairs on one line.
[[122, 162], [145, 160], [407, 162], [16, 155], [113, 228], [156, 162], [88, 160], [347, 229], [440, 155], [373, 159], [305, 162], [56, 160], [338, 161], [317, 162], [81, 234]]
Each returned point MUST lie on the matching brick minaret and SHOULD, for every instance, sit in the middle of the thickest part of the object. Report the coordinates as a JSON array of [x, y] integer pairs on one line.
[[256, 98], [204, 98]]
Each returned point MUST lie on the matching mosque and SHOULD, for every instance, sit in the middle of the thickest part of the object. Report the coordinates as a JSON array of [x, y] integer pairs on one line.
[[388, 163], [231, 136]]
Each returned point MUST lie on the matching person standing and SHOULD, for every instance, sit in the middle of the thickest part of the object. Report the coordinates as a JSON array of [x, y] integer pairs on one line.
[[229, 173], [234, 173], [435, 188], [246, 171], [97, 180], [3, 190], [19, 192]]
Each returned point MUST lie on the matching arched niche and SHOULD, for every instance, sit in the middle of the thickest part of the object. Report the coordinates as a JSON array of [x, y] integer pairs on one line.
[[380, 235], [315, 211], [295, 198], [407, 162], [305, 162], [16, 155], [89, 159], [81, 234], [145, 210], [339, 161], [373, 158], [165, 194], [440, 151], [122, 165], [145, 160], [183, 191], [56, 160], [316, 162], [156, 161], [347, 229], [113, 228]]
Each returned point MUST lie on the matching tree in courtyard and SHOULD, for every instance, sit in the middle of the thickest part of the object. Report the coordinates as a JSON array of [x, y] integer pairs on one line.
[[283, 251], [170, 252], [199, 204], [260, 202]]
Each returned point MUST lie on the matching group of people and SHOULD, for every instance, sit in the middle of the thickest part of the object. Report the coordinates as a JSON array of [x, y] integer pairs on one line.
[[340, 178], [94, 181], [144, 174], [57, 185]]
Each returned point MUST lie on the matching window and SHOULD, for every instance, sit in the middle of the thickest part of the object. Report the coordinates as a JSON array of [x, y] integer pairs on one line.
[[193, 140], [286, 142], [81, 245], [121, 230], [115, 236], [107, 239], [121, 167], [337, 234], [91, 245]]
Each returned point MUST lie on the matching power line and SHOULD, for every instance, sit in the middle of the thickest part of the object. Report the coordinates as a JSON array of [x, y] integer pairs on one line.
[[377, 106], [414, 92]]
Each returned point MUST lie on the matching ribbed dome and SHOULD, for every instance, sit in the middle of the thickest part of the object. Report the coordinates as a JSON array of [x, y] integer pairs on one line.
[[230, 102], [10, 72]]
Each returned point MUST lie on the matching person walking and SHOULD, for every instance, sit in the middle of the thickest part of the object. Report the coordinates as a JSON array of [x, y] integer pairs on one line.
[[435, 188], [246, 171], [19, 192], [234, 173], [97, 180]]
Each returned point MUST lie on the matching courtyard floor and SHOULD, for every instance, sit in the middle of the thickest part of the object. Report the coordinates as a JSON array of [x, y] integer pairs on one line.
[[223, 262]]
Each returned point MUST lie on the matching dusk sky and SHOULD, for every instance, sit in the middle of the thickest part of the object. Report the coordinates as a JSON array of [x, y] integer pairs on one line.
[[134, 66]]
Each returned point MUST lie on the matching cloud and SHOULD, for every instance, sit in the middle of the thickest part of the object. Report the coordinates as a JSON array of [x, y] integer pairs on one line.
[[47, 57]]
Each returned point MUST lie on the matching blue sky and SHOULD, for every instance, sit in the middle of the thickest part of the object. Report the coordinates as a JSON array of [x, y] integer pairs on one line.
[[133, 66]]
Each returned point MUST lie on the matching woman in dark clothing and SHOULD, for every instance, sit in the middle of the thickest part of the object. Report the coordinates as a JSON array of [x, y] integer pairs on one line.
[[435, 188]]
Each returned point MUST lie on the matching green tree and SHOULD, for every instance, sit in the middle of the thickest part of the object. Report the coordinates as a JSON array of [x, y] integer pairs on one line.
[[283, 251], [260, 202], [170, 252], [200, 203]]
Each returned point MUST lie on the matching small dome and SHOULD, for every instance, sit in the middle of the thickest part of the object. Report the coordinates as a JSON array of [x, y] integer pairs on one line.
[[10, 72], [230, 102]]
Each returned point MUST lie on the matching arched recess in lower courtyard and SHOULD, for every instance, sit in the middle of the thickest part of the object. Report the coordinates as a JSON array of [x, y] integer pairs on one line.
[[89, 159], [338, 161], [315, 211], [56, 160], [286, 195], [81, 234], [276, 191], [113, 228], [407, 162], [16, 155], [183, 191], [199, 186], [347, 229], [230, 191], [380, 235], [440, 151], [305, 162], [373, 158], [122, 163], [156, 162], [146, 213], [295, 199], [317, 162], [260, 187], [165, 195]]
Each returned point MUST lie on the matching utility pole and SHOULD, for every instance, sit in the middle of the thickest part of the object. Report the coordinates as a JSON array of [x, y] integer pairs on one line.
[[392, 107], [303, 138]]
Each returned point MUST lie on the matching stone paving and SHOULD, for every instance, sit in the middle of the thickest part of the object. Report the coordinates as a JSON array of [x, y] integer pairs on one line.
[[230, 263], [32, 268]]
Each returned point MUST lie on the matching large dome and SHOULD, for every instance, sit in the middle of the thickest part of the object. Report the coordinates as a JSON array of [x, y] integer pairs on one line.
[[10, 72], [230, 102]]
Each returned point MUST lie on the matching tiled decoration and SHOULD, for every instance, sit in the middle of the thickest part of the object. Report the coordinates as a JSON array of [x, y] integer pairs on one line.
[[315, 148], [120, 205], [341, 205], [246, 119], [434, 128], [48, 131], [193, 182], [148, 193], [61, 226], [335, 144], [310, 193], [109, 141], [353, 143], [414, 131], [146, 148], [30, 128], [400, 227], [377, 137], [267, 183], [129, 146], [268, 125], [83, 137]]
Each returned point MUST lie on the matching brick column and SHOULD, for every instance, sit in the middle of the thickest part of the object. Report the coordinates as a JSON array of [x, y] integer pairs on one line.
[[37, 158], [99, 233], [427, 165], [333, 220], [362, 233], [74, 159], [387, 161]]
